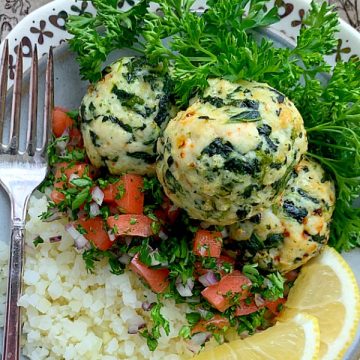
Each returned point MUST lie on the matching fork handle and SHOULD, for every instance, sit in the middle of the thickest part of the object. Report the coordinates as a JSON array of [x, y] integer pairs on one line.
[[11, 349]]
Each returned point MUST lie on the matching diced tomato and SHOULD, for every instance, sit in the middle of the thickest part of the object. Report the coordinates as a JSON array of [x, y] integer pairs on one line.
[[113, 209], [61, 121], [95, 232], [245, 308], [220, 261], [172, 212], [207, 243], [56, 196], [131, 224], [220, 294], [68, 169], [275, 306], [235, 282], [127, 194], [76, 139], [161, 215], [291, 275], [157, 279], [109, 193], [216, 323]]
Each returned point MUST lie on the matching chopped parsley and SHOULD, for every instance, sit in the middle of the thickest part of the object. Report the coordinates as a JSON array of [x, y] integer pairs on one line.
[[38, 240]]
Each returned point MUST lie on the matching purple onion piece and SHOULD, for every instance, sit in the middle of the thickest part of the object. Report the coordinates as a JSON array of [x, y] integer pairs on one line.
[[81, 242], [225, 233], [112, 236], [97, 195], [184, 290], [79, 239], [208, 279], [200, 338], [73, 177], [135, 325], [146, 306], [204, 313], [194, 348], [55, 215], [173, 208], [61, 145], [66, 132], [54, 239], [152, 255], [259, 301], [94, 209], [70, 228], [127, 240], [163, 236], [125, 259]]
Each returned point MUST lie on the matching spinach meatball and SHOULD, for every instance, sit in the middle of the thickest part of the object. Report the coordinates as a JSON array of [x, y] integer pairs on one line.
[[296, 227], [229, 154], [123, 115]]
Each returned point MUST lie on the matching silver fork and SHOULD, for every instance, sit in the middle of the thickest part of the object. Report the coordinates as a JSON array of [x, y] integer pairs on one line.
[[20, 173]]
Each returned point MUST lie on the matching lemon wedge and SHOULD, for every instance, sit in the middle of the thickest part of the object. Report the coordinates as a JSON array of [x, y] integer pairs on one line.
[[295, 338], [327, 289]]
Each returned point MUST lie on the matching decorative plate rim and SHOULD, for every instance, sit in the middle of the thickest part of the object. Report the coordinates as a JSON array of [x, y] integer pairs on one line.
[[45, 27]]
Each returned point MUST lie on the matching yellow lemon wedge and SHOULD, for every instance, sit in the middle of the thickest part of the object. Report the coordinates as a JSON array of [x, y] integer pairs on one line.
[[327, 289], [295, 338]]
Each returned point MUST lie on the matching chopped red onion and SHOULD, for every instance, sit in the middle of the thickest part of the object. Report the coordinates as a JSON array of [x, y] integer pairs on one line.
[[125, 259], [128, 240], [111, 234], [208, 279], [194, 348], [200, 338], [48, 191], [184, 290], [66, 132], [70, 228], [61, 145], [204, 225], [81, 214], [153, 255], [54, 239], [94, 209], [54, 216], [79, 239], [162, 235], [259, 301], [135, 324], [73, 177], [147, 306], [173, 208], [204, 313], [225, 233], [97, 195], [81, 242]]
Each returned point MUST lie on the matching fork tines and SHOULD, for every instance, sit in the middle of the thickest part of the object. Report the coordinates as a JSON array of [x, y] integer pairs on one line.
[[11, 144]]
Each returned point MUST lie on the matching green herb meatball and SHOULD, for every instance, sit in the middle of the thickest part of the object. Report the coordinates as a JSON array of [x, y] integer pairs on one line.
[[123, 114], [229, 154], [296, 227]]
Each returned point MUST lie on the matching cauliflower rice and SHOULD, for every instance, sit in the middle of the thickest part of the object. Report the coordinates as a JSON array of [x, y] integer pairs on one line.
[[72, 314]]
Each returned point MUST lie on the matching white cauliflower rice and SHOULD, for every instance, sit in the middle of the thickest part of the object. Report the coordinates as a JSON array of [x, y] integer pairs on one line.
[[72, 314]]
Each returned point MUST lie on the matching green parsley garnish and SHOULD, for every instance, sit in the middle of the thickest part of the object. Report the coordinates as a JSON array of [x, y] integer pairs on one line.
[[38, 240], [221, 43]]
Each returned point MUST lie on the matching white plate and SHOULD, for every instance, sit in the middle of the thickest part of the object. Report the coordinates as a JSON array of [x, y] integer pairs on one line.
[[45, 27]]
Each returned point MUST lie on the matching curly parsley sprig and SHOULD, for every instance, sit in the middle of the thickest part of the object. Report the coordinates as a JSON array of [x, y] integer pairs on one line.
[[95, 37], [224, 42]]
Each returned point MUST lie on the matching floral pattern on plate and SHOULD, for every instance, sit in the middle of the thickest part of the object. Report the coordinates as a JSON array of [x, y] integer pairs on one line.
[[45, 26]]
